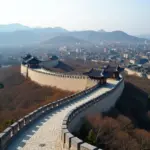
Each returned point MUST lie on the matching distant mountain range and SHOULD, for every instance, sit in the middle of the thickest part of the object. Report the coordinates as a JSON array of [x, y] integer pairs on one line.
[[13, 27], [97, 37], [20, 27], [17, 34]]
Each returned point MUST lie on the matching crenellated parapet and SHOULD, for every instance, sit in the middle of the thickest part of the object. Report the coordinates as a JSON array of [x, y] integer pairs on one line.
[[64, 75], [65, 81]]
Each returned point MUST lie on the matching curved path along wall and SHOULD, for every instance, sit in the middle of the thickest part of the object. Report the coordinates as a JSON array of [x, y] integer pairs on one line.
[[72, 122], [59, 80], [102, 104], [44, 133], [22, 125]]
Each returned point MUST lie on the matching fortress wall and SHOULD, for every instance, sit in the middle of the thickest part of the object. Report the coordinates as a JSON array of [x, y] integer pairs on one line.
[[59, 80], [105, 103], [71, 84], [73, 121], [132, 72], [13, 131], [23, 70], [91, 83]]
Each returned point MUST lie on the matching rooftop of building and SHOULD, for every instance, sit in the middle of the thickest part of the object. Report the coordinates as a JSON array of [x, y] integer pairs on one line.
[[64, 67]]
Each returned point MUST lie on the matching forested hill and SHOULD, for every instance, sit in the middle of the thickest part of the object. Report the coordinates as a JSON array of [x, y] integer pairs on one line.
[[21, 96]]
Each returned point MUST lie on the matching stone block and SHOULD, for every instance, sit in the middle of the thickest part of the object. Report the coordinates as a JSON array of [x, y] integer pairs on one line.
[[66, 117], [27, 119], [54, 104], [50, 106], [86, 146], [45, 107], [21, 123], [68, 140], [15, 128], [63, 133], [40, 110], [75, 143], [8, 131], [64, 122], [59, 103], [64, 127], [31, 116], [2, 141], [38, 113], [5, 137], [34, 114]]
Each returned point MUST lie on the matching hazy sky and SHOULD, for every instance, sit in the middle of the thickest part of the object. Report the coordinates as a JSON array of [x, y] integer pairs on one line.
[[132, 16]]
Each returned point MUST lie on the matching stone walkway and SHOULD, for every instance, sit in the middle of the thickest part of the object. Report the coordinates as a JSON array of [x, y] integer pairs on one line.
[[45, 133]]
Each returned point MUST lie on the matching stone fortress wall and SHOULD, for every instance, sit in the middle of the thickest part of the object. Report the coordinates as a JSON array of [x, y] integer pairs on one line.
[[16, 128], [98, 104], [70, 82], [72, 122]]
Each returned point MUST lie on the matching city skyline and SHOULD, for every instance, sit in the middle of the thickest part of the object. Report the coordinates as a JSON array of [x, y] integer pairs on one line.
[[128, 16]]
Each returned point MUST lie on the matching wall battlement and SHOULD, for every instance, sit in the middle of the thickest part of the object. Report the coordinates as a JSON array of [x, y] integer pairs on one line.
[[65, 81]]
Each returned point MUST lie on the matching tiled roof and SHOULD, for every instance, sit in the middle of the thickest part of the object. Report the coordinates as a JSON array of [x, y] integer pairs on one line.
[[114, 68], [94, 73], [30, 59]]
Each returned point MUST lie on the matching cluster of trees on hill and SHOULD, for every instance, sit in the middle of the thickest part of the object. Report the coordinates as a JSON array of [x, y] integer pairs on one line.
[[21, 96], [127, 125], [111, 133]]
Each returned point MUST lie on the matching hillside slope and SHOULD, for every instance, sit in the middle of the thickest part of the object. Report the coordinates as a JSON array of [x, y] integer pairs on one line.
[[124, 127], [115, 36], [21, 96]]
